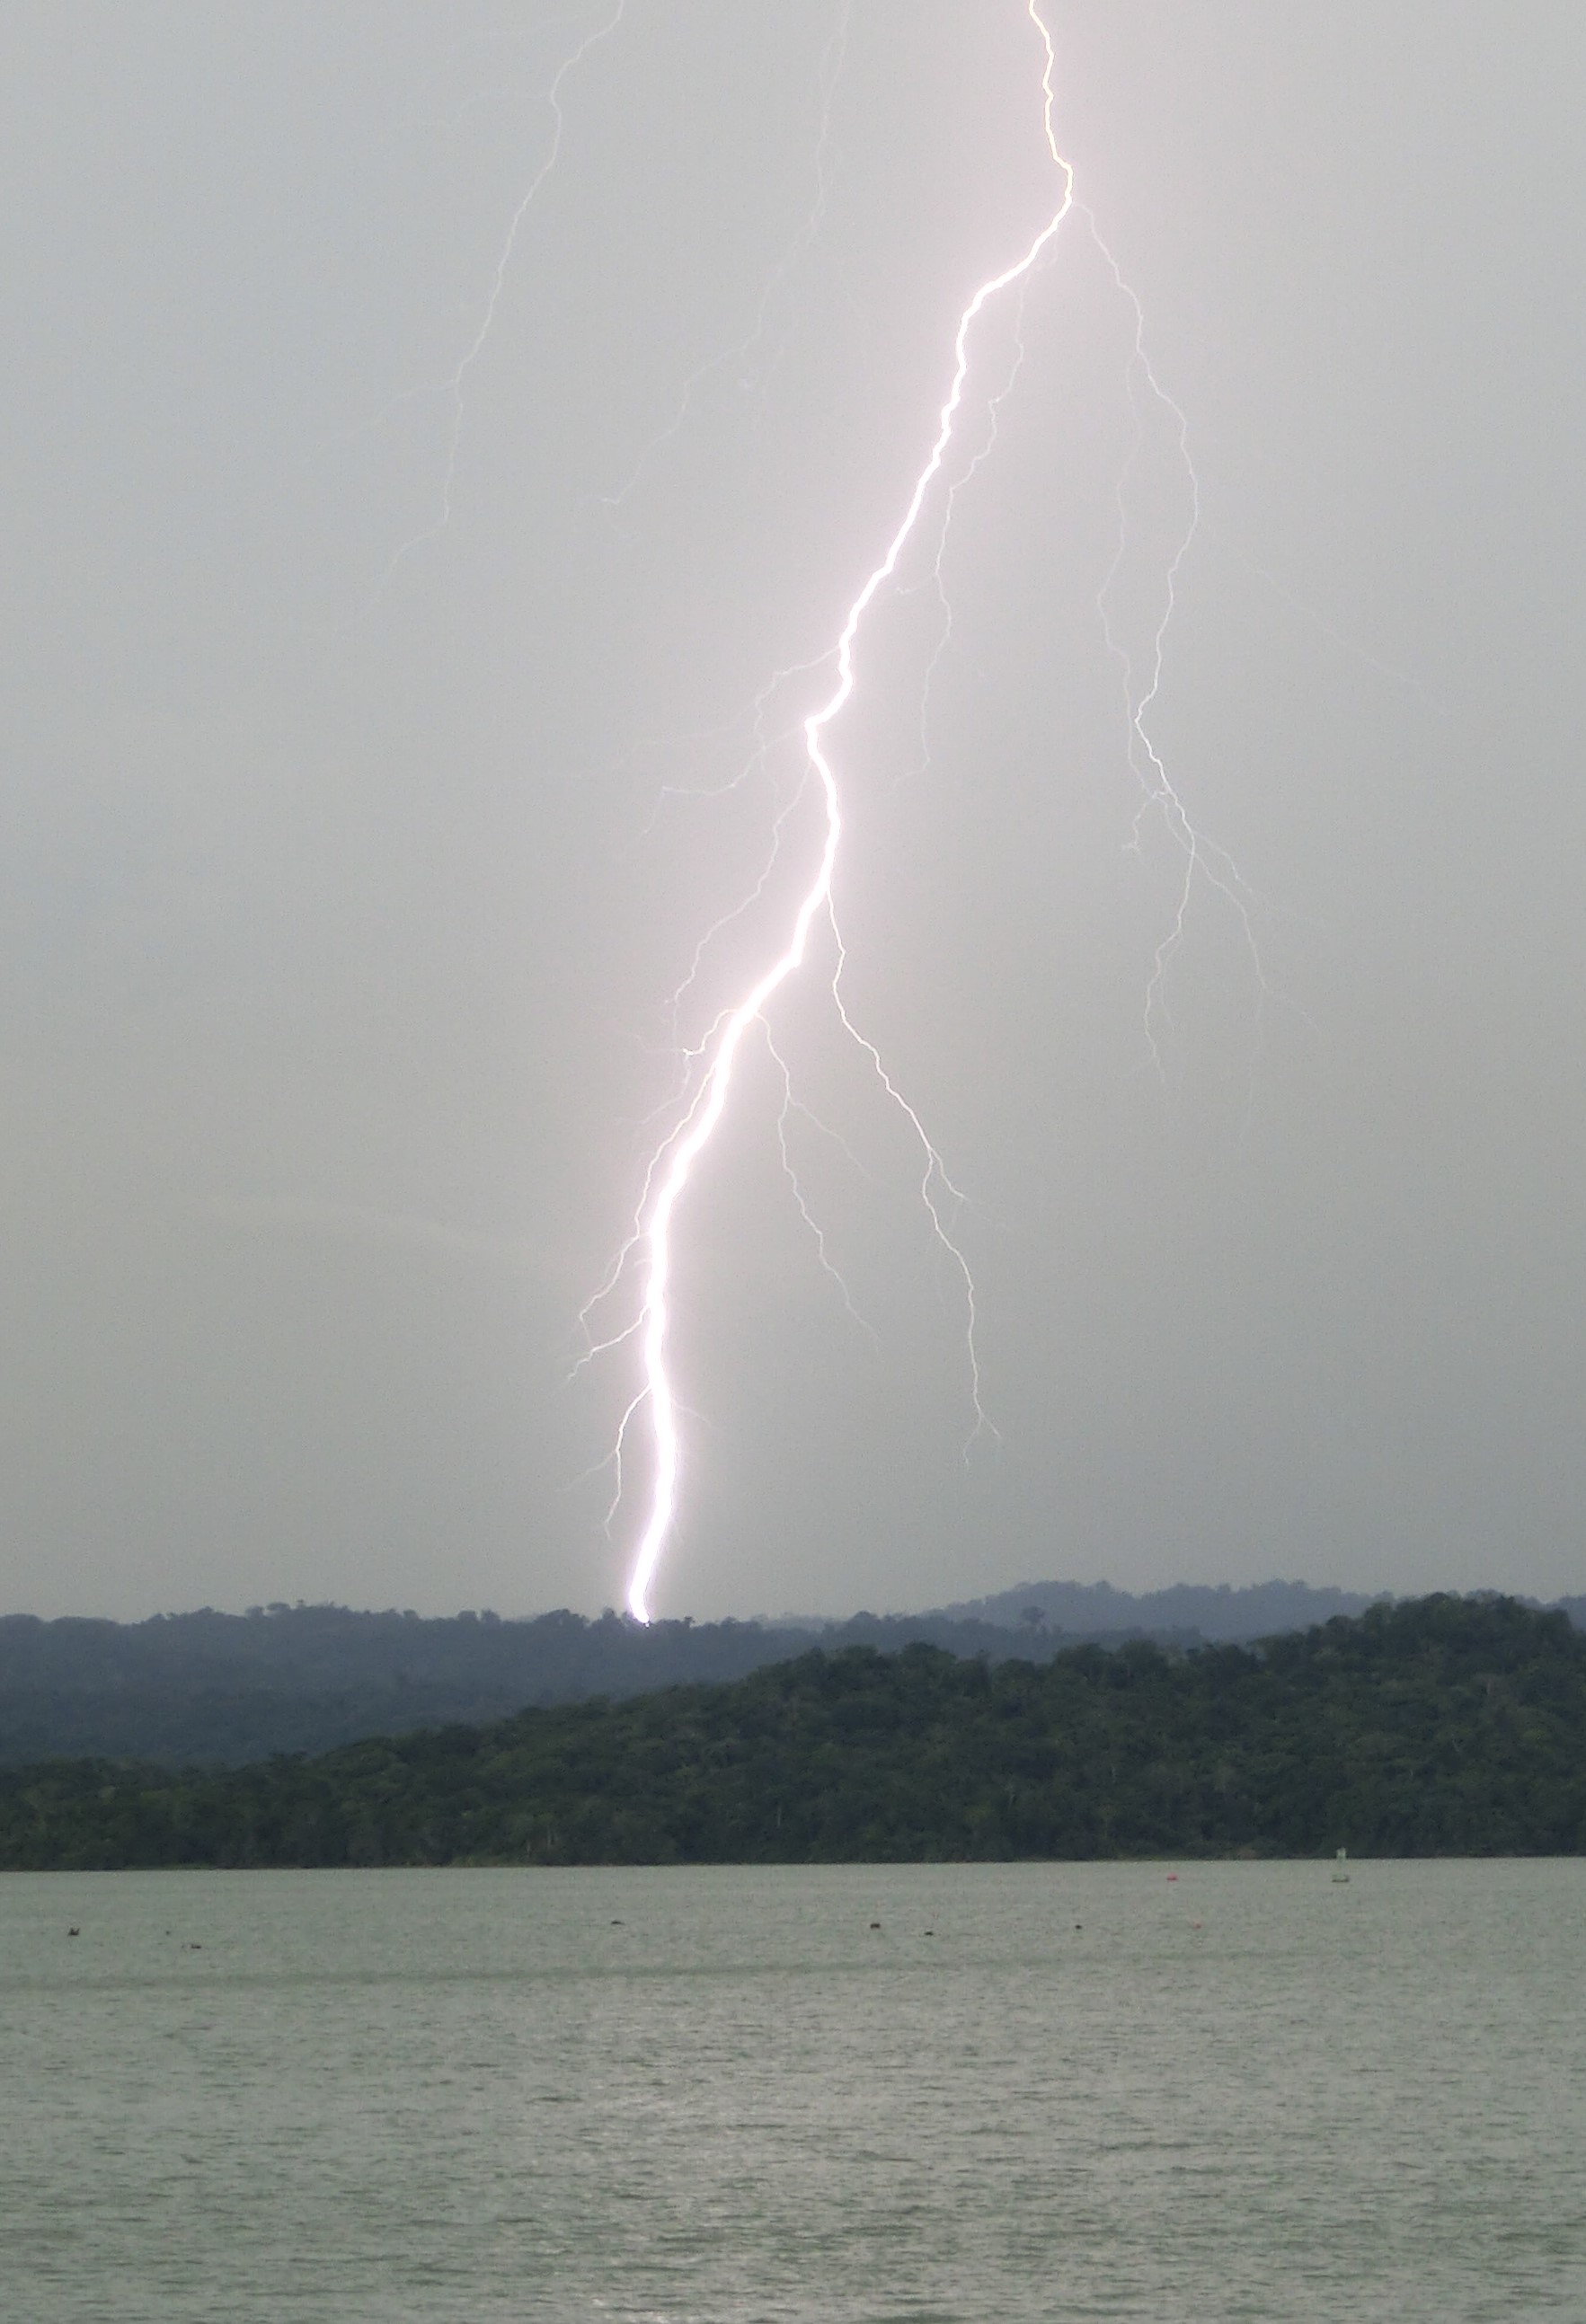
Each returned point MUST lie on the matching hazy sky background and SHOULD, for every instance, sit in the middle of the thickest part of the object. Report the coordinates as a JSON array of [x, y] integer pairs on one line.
[[343, 904]]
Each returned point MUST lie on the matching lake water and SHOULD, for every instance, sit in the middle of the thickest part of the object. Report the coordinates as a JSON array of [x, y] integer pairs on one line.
[[717, 2096]]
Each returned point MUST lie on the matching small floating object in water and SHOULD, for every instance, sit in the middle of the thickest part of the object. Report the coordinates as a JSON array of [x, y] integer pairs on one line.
[[74, 1932], [618, 1925], [874, 1924], [1173, 1875], [1341, 1867]]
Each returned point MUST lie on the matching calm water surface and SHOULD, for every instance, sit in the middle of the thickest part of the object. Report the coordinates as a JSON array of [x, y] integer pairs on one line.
[[719, 2096]]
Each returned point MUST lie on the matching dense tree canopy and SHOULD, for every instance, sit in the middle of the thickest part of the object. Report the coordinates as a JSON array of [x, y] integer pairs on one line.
[[1437, 1726], [234, 1687]]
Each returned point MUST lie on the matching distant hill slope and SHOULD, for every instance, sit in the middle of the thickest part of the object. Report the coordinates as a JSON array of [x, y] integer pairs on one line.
[[1259, 1610], [230, 1688], [235, 1687], [1435, 1727]]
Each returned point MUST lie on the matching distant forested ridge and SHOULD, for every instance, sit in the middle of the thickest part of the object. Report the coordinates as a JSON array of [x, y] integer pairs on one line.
[[236, 1687], [1225, 1614], [1439, 1726], [230, 1688]]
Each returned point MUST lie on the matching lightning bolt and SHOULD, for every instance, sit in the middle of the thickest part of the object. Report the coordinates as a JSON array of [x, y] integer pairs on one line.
[[671, 1166], [740, 351], [451, 388], [1201, 859]]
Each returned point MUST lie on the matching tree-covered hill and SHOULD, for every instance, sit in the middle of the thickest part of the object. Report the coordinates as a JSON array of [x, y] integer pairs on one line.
[[232, 1687], [1437, 1726], [1224, 1614]]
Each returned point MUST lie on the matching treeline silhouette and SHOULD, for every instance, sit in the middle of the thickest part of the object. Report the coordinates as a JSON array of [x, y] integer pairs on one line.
[[1437, 1726], [236, 1687], [1226, 1612]]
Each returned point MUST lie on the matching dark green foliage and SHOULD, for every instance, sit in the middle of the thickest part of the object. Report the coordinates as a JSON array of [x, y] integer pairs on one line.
[[1439, 1726], [234, 1687], [1222, 1613]]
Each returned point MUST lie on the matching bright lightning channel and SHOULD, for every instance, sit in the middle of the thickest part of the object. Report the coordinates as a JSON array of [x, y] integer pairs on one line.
[[671, 1166]]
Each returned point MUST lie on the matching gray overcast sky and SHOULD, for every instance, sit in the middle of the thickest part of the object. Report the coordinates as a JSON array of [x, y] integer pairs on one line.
[[346, 882]]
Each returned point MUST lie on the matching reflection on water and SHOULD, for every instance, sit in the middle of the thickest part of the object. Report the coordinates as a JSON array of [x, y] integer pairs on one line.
[[1029, 2092]]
